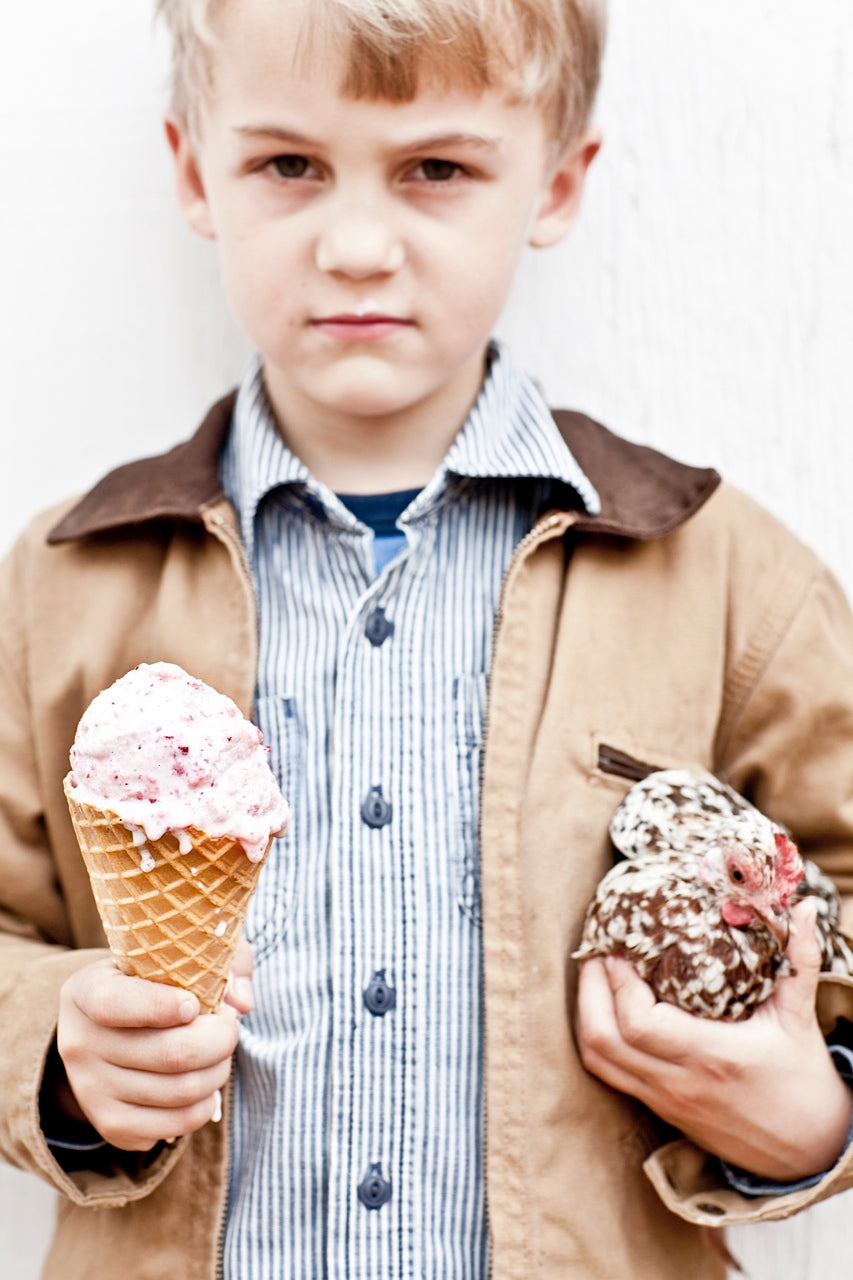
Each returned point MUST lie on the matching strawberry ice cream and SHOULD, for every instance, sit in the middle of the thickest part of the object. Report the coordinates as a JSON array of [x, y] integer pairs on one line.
[[166, 753]]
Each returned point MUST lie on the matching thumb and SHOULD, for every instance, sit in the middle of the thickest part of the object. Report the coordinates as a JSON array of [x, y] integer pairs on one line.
[[796, 993], [110, 998]]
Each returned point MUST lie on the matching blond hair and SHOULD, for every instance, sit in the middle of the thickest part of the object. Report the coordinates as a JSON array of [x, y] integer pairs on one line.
[[547, 53]]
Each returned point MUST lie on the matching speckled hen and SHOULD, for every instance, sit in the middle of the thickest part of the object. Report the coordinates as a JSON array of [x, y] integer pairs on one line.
[[701, 903]]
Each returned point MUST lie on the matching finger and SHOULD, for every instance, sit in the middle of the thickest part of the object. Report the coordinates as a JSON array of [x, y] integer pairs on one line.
[[602, 1050], [648, 1025], [239, 993], [600, 1036], [135, 1128], [110, 1069], [803, 949], [795, 993], [594, 1004], [168, 1092], [171, 1051], [595, 1023], [658, 1036], [636, 1043], [244, 959], [628, 988], [110, 998]]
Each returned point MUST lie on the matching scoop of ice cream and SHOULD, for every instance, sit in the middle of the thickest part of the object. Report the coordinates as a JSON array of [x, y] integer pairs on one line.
[[166, 752]]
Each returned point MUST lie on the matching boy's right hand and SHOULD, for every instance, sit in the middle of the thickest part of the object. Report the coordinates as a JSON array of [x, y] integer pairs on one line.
[[141, 1064]]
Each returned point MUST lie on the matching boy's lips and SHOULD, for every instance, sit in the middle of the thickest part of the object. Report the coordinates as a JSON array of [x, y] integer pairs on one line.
[[369, 326]]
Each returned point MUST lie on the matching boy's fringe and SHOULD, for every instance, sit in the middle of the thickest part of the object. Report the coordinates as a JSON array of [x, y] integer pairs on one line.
[[546, 52]]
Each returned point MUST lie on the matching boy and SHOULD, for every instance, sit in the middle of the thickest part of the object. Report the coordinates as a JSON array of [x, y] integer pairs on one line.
[[387, 549]]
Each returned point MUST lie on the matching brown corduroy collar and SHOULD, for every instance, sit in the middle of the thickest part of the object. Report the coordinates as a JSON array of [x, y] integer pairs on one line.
[[644, 494]]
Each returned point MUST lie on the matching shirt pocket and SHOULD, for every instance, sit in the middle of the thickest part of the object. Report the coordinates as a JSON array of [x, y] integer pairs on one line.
[[469, 717], [271, 907]]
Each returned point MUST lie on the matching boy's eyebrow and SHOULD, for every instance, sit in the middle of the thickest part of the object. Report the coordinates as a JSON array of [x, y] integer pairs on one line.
[[433, 142], [438, 142]]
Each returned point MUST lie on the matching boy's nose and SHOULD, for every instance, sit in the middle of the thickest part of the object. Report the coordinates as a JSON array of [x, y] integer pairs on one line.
[[359, 245]]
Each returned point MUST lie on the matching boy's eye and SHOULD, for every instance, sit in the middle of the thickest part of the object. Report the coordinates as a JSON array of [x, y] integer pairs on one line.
[[439, 170], [291, 166]]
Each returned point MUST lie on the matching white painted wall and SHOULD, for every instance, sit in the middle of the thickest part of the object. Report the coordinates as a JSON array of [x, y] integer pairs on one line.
[[703, 305]]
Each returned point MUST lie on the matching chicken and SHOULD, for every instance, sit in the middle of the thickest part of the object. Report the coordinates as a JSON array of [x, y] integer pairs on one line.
[[701, 903]]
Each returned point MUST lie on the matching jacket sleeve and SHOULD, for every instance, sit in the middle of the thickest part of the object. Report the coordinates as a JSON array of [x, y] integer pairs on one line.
[[787, 743], [37, 951]]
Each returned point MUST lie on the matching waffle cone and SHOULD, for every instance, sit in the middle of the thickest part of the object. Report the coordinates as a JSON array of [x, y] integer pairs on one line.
[[179, 922]]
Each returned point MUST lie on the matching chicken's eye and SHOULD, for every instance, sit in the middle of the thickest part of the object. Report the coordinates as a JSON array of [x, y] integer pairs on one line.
[[737, 876]]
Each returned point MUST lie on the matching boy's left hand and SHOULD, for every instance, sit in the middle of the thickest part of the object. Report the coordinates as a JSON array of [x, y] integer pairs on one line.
[[762, 1094]]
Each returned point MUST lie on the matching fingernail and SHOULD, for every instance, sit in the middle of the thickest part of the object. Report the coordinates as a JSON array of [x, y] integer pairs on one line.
[[188, 1010]]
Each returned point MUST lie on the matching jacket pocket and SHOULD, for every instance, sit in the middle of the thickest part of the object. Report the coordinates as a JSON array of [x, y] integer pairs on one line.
[[270, 909], [469, 714], [632, 762], [619, 764]]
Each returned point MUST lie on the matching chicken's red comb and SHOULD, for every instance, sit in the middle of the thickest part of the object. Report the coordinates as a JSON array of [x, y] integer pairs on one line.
[[787, 866]]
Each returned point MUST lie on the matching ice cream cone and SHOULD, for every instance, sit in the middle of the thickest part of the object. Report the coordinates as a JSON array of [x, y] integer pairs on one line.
[[169, 916]]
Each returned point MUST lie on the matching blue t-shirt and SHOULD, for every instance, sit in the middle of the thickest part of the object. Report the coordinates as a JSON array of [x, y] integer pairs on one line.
[[380, 512]]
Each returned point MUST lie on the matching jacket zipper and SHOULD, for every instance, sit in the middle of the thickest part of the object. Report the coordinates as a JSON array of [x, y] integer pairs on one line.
[[223, 1209], [228, 536], [541, 532]]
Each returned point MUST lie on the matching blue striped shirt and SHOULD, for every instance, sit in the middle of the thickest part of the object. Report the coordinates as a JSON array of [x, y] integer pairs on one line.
[[359, 1129]]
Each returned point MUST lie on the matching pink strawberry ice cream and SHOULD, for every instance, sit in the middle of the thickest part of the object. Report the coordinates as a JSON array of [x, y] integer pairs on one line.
[[166, 752]]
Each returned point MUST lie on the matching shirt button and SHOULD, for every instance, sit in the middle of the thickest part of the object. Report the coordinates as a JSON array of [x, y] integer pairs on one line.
[[376, 811], [378, 628], [374, 1190], [378, 997]]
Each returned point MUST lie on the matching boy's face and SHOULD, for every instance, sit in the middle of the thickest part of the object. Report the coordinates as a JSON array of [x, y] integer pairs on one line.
[[367, 247]]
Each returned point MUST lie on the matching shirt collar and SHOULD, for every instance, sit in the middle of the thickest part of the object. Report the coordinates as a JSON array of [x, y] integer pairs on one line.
[[509, 434]]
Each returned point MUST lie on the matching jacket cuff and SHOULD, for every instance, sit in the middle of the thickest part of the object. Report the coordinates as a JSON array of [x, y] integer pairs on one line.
[[689, 1180]]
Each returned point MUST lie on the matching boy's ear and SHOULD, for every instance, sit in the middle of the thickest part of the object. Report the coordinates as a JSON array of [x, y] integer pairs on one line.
[[561, 200], [192, 196]]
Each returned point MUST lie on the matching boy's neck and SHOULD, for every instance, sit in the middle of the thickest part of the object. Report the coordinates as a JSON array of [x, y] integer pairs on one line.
[[372, 453]]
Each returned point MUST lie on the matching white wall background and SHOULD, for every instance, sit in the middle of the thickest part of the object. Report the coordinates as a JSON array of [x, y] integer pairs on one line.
[[704, 305]]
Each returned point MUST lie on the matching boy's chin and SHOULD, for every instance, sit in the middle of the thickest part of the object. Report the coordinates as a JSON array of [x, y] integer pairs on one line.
[[366, 390], [374, 395]]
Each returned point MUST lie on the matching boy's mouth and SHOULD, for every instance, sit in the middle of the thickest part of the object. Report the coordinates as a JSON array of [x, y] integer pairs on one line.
[[361, 326]]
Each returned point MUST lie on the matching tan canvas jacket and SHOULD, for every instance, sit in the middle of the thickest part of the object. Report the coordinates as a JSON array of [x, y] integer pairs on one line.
[[682, 626]]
